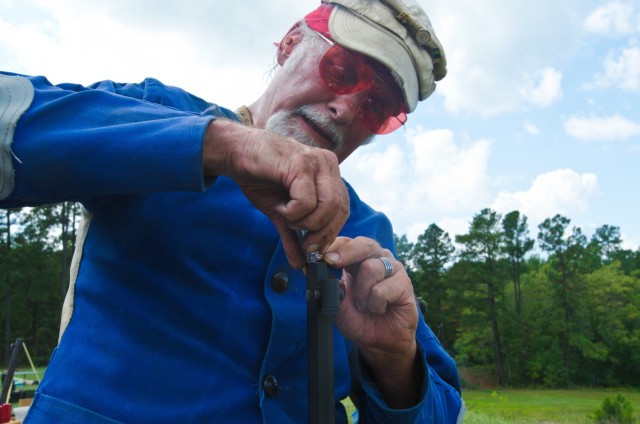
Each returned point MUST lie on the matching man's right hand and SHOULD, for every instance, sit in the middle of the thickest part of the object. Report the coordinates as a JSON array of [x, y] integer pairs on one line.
[[296, 186]]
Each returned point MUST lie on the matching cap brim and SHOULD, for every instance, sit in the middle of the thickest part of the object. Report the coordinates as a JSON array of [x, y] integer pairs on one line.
[[351, 31]]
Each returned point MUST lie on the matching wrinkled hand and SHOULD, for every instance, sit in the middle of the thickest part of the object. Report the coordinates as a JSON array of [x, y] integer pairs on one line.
[[376, 313], [379, 315], [296, 186]]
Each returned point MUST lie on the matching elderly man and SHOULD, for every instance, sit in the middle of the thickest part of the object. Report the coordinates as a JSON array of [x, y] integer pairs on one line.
[[187, 302]]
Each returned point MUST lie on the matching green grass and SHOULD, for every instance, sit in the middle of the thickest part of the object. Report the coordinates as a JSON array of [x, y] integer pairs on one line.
[[515, 406], [540, 406], [507, 406]]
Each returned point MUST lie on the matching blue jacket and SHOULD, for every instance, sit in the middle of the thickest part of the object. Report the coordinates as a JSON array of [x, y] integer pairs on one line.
[[182, 303]]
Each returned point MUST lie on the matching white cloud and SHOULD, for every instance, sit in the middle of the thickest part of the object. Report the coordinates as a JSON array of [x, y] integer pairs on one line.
[[86, 41], [628, 243], [379, 176], [416, 229], [622, 71], [432, 174], [604, 129], [452, 226], [543, 88], [562, 191], [450, 176], [616, 17], [499, 58], [531, 128], [455, 226]]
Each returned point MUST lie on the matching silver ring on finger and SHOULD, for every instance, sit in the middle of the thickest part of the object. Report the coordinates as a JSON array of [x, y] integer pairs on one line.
[[388, 267]]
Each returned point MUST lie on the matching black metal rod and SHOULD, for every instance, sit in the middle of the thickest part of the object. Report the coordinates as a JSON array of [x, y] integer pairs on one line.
[[322, 306], [8, 378]]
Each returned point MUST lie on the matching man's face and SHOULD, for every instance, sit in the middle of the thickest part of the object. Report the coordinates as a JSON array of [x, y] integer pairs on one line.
[[303, 107]]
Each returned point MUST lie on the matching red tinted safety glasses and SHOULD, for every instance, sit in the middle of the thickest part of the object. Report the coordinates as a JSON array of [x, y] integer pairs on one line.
[[346, 72]]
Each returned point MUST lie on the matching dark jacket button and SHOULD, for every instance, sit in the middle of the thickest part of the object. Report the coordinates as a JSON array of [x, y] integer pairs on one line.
[[280, 282], [270, 386]]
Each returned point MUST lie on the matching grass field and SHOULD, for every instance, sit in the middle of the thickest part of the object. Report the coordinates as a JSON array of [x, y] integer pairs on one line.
[[514, 406], [540, 406], [502, 406]]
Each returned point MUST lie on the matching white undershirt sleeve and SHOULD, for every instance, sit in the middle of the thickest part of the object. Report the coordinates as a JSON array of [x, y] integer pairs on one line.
[[16, 95]]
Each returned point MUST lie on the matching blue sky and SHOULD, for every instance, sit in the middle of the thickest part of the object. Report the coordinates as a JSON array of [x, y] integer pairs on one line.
[[540, 111]]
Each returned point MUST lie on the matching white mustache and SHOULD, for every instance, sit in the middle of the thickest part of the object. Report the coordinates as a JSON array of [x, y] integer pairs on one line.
[[325, 124], [283, 122]]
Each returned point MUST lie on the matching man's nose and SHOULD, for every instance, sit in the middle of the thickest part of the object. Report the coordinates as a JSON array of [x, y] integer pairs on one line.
[[344, 107]]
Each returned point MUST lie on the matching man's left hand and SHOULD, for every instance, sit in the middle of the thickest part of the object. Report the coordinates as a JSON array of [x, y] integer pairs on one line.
[[379, 315]]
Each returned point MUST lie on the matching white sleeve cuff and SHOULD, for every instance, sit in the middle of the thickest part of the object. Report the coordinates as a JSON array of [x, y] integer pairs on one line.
[[16, 95]]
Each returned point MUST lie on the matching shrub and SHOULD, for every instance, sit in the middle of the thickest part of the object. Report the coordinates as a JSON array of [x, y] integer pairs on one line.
[[617, 411]]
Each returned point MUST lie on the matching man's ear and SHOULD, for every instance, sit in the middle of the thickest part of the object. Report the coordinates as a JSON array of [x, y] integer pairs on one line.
[[287, 44]]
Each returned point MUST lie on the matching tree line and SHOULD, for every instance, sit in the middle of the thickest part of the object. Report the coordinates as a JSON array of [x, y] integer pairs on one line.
[[35, 257], [554, 311]]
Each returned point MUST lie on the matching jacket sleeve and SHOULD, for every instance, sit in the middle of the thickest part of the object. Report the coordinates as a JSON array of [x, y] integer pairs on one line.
[[75, 143], [440, 397]]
